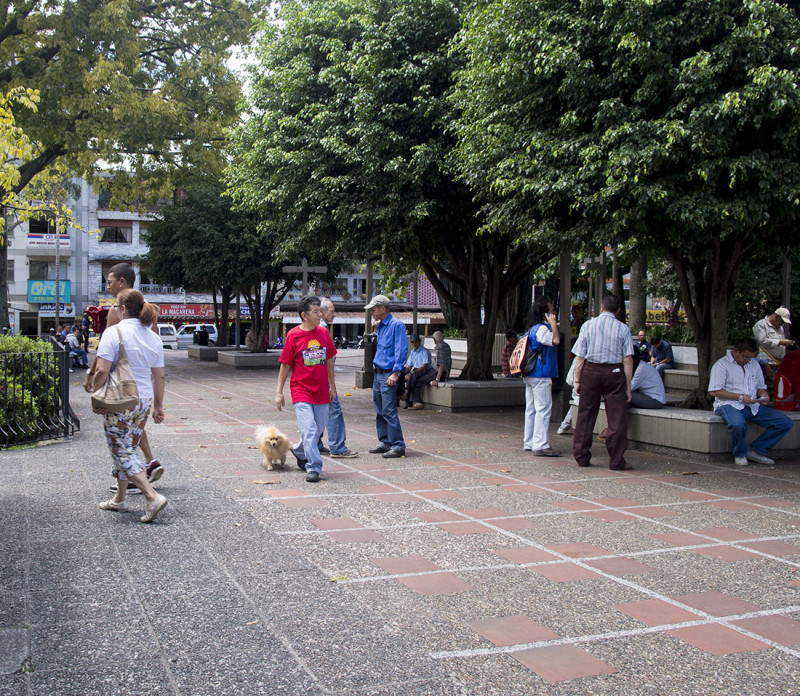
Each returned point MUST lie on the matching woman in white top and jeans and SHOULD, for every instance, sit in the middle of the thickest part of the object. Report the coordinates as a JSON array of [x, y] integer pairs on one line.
[[146, 359]]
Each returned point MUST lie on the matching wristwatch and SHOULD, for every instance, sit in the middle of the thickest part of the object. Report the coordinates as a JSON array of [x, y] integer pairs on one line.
[[741, 398]]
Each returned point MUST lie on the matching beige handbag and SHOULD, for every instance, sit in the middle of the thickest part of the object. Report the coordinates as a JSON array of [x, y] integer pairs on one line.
[[119, 393]]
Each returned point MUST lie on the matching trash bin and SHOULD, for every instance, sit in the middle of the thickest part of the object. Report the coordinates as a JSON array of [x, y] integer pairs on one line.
[[787, 383]]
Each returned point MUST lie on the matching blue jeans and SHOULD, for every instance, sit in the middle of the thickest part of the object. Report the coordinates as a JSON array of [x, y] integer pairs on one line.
[[336, 431], [775, 424], [81, 353], [387, 422], [311, 420], [664, 366]]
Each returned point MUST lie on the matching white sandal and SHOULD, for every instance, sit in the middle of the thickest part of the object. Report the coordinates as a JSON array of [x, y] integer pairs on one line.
[[112, 505], [151, 511]]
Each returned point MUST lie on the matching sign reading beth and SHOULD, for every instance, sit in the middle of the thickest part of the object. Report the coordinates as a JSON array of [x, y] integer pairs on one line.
[[45, 291]]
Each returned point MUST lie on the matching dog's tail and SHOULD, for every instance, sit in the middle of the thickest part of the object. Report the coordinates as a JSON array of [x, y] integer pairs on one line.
[[261, 432]]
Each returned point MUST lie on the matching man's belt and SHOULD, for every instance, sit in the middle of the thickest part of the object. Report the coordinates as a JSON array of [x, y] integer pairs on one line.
[[380, 370]]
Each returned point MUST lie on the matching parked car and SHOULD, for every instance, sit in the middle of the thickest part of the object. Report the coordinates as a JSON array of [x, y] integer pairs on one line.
[[186, 334], [94, 340], [169, 337]]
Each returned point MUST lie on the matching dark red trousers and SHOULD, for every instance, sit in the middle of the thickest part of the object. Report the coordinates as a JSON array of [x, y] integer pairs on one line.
[[606, 382]]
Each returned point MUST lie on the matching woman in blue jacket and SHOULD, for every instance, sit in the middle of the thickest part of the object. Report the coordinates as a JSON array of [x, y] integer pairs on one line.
[[543, 336]]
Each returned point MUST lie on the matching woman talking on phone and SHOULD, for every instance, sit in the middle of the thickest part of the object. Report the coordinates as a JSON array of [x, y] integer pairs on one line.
[[543, 336], [146, 359]]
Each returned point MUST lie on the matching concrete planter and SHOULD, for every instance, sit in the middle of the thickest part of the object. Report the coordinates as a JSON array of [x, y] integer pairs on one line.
[[455, 396], [244, 360], [206, 353]]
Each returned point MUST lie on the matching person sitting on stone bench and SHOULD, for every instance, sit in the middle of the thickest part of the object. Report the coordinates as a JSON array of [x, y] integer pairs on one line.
[[418, 371], [661, 355], [740, 394], [443, 362], [647, 388]]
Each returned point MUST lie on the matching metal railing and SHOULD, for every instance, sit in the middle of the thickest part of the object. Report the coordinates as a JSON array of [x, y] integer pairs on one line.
[[34, 397]]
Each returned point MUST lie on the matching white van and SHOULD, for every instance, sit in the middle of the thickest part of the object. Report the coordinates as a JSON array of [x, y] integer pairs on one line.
[[169, 336], [187, 331]]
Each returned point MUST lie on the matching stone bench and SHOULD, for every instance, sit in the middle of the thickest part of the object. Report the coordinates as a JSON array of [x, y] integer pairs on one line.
[[244, 360], [458, 396], [681, 379], [702, 433]]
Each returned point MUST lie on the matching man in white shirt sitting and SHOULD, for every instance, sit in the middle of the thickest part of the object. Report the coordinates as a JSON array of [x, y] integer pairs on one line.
[[739, 391], [74, 344]]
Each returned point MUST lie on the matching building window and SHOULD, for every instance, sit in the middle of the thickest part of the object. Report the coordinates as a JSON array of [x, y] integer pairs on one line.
[[104, 199], [10, 268], [115, 235], [41, 225], [37, 270]]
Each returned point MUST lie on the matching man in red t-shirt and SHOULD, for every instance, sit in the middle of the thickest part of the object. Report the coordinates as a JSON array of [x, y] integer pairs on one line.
[[308, 354]]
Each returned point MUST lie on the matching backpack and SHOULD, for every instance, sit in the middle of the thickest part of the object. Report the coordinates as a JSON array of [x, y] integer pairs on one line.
[[523, 359]]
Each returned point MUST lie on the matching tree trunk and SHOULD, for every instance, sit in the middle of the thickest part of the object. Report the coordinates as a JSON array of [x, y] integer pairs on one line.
[[638, 302], [221, 317]]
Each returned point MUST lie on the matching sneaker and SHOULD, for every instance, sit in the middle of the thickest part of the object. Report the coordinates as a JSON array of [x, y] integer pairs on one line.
[[132, 490], [760, 458], [301, 461], [312, 477], [380, 449], [152, 510], [564, 429], [154, 471], [344, 454], [740, 461], [113, 505], [324, 450], [394, 453], [418, 407]]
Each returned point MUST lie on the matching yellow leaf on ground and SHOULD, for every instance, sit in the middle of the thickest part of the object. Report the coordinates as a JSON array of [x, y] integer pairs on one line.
[[238, 524], [251, 623], [348, 394], [265, 482], [505, 471], [339, 578]]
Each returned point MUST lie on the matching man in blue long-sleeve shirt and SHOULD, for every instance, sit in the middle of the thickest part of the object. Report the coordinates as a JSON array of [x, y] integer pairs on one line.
[[390, 358]]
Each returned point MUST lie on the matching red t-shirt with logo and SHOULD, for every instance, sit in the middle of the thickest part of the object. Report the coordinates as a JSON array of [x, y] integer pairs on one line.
[[307, 353]]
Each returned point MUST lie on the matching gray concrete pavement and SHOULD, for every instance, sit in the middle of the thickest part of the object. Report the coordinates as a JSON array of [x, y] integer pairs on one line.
[[468, 567]]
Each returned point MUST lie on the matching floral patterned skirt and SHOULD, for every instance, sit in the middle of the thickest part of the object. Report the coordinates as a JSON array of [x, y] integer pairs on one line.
[[122, 430]]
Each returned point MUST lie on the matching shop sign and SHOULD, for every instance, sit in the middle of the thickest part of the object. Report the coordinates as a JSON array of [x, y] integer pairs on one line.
[[66, 310], [40, 291]]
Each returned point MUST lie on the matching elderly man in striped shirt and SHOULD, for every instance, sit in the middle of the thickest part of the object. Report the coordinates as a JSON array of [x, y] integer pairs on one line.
[[603, 370]]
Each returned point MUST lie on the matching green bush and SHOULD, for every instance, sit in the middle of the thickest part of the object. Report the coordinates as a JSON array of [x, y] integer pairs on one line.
[[29, 384]]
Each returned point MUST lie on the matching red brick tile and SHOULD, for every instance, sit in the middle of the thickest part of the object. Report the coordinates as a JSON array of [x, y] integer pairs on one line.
[[718, 640], [656, 612], [525, 554], [523, 488], [561, 486], [694, 495], [728, 492], [514, 524], [306, 501], [375, 490], [440, 516], [726, 553], [574, 505], [716, 603], [562, 662], [436, 583], [768, 501], [396, 498], [356, 536], [725, 533], [608, 516], [621, 566], [653, 512], [419, 486], [614, 502], [287, 493], [512, 630], [580, 550], [496, 481], [461, 528], [485, 513], [564, 572], [777, 628], [399, 565], [680, 539], [537, 479], [336, 523], [774, 548], [439, 495], [734, 505]]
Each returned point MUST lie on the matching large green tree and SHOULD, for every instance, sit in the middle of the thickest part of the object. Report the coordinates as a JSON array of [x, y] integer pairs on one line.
[[200, 244], [140, 86], [347, 147], [673, 123]]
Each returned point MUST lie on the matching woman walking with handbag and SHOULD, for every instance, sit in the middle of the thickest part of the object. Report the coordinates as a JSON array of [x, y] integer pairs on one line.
[[129, 344], [543, 336]]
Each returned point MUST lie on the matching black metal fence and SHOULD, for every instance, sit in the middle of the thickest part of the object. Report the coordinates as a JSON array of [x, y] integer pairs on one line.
[[34, 397]]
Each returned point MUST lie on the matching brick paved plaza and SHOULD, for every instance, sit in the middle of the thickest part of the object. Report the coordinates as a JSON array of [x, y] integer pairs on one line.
[[467, 567]]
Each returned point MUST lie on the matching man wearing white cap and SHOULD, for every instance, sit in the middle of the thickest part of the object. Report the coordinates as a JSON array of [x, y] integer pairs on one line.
[[770, 336], [390, 358]]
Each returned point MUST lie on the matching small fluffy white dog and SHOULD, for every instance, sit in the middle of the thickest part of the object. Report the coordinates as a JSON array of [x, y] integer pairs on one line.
[[273, 445]]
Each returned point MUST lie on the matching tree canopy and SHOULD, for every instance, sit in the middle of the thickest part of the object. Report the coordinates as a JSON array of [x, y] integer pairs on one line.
[[347, 148], [669, 122]]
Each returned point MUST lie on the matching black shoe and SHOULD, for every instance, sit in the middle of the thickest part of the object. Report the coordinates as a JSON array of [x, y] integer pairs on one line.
[[312, 477], [324, 450], [394, 454], [301, 461], [380, 449]]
